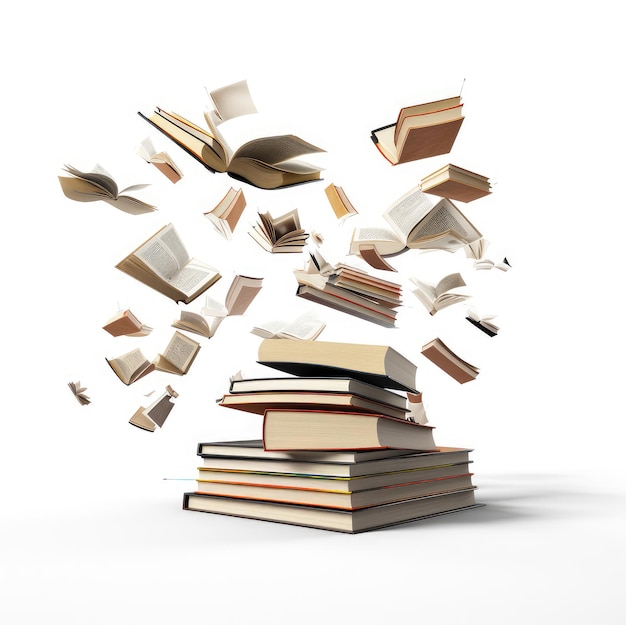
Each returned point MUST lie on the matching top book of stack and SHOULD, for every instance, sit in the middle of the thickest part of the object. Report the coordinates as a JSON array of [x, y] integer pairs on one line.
[[421, 131]]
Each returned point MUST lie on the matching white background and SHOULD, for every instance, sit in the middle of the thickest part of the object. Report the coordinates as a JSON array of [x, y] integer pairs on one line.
[[91, 532]]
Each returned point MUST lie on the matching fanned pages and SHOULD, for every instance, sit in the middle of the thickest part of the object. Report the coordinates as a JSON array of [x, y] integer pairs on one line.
[[281, 234], [79, 392], [163, 263], [131, 366], [435, 297], [99, 185]]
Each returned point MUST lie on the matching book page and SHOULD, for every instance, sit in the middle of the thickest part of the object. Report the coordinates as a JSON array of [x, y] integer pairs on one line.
[[130, 362], [180, 351], [191, 277], [406, 212], [164, 253], [445, 216], [305, 327], [233, 100]]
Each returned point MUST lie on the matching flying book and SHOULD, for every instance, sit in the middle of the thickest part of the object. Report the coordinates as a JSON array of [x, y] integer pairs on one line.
[[417, 224], [420, 131], [79, 392], [97, 185], [163, 263], [125, 323], [436, 297], [335, 519], [440, 354], [131, 366], [456, 183], [341, 205], [226, 214], [178, 356], [156, 413], [305, 327], [161, 160], [279, 234], [259, 402], [266, 162], [484, 323], [380, 365]]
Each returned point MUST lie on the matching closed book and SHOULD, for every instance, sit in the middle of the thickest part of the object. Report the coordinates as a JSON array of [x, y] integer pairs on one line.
[[318, 429]]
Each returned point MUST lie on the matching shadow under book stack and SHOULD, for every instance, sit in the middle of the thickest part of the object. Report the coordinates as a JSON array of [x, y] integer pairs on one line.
[[339, 451]]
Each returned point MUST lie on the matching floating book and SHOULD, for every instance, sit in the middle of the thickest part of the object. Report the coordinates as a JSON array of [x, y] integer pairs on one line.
[[131, 366], [305, 327], [163, 263], [341, 205], [79, 392], [279, 234], [380, 365], [97, 185], [178, 356], [484, 323], [456, 183], [125, 323], [436, 297], [161, 160], [440, 354], [226, 214], [420, 131], [156, 413], [265, 162]]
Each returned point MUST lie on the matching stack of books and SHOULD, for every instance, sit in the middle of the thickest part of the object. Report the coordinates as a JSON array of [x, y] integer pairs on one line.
[[338, 451], [351, 290]]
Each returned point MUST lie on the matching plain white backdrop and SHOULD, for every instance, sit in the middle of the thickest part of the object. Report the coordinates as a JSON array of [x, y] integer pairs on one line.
[[90, 530]]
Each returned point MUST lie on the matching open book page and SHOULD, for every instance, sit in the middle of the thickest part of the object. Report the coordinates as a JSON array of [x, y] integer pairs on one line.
[[385, 240], [305, 327], [164, 253], [192, 276], [406, 212], [233, 100], [444, 216], [180, 352]]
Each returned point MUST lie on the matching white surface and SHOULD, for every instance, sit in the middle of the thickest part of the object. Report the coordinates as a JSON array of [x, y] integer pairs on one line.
[[92, 533]]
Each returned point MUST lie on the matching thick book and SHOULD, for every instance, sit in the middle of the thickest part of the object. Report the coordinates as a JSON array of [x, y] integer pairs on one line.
[[300, 465], [440, 354], [420, 131], [325, 429], [350, 521], [265, 162], [325, 385], [380, 365], [329, 482], [259, 402], [456, 183], [125, 323], [333, 499]]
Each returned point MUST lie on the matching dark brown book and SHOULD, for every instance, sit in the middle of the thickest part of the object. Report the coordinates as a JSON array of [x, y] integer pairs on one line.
[[440, 354]]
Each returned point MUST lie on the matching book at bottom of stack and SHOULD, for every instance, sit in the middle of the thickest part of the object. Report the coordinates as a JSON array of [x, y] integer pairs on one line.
[[346, 491]]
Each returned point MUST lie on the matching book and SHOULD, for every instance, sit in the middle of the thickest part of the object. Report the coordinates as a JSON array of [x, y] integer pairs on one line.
[[350, 521], [456, 183], [179, 354], [279, 234], [131, 366], [198, 323], [225, 216], [156, 413], [436, 297], [319, 384], [328, 429], [440, 354], [266, 162], [254, 449], [380, 365], [339, 202], [161, 160], [305, 327], [163, 263], [420, 131], [259, 402], [125, 323], [333, 499], [304, 464], [484, 323], [97, 185], [417, 224], [79, 392]]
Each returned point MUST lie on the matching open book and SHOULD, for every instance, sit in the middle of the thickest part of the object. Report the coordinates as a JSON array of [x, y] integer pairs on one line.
[[242, 290], [79, 392], [162, 263], [417, 224], [305, 327], [265, 162], [226, 214], [482, 322], [125, 323], [435, 297], [156, 413], [131, 366], [279, 234], [161, 160], [420, 131], [178, 356], [99, 185]]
